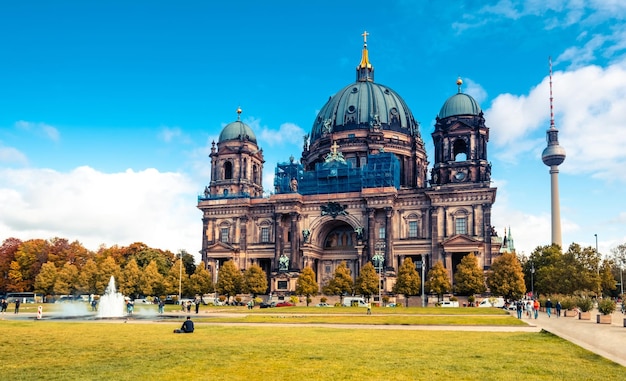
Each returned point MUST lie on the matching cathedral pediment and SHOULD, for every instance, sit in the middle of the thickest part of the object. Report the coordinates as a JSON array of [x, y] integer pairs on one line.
[[461, 242], [220, 248]]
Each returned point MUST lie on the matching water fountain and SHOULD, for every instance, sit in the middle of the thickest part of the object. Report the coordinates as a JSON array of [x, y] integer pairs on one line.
[[111, 303]]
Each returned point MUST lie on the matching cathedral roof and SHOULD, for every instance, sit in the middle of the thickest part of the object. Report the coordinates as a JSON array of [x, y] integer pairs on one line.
[[459, 104], [364, 104], [237, 130]]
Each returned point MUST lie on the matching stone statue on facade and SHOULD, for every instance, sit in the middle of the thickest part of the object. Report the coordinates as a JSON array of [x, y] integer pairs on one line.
[[283, 263]]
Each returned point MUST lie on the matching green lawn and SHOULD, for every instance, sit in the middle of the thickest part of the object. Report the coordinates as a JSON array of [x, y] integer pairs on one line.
[[141, 350]]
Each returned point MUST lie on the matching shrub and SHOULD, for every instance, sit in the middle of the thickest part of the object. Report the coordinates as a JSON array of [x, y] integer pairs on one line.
[[323, 299], [454, 299], [585, 304], [567, 303], [606, 306], [471, 299]]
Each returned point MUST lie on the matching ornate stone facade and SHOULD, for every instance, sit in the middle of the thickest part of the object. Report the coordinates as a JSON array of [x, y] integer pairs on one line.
[[360, 190]]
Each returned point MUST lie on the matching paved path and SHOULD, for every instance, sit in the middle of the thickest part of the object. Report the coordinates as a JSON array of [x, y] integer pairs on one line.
[[607, 340]]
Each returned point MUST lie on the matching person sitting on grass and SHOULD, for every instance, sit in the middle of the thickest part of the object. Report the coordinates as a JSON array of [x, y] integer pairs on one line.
[[187, 326]]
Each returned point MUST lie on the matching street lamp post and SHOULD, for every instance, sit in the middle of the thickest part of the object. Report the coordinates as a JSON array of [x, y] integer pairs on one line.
[[180, 278], [532, 280], [598, 265], [421, 265], [379, 261]]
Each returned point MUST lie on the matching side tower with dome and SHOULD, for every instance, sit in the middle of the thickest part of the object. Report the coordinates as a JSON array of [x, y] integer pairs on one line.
[[359, 193]]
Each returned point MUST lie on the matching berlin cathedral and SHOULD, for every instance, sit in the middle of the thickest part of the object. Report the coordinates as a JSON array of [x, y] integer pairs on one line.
[[362, 191]]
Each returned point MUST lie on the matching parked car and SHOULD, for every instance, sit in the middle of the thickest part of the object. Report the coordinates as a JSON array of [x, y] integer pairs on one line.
[[285, 304], [267, 305], [448, 303], [323, 305]]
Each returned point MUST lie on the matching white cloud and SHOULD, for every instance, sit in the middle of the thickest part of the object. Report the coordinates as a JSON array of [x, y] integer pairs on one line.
[[12, 155], [101, 208], [288, 133], [170, 134], [40, 129]]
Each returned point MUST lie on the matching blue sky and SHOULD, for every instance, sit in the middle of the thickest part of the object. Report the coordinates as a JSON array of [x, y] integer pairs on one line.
[[108, 110]]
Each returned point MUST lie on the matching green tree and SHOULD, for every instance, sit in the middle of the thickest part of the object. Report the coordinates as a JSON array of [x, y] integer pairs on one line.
[[66, 280], [469, 278], [505, 277], [201, 282], [367, 282], [341, 282], [607, 281], [306, 284], [44, 282], [151, 280], [619, 256], [88, 277], [438, 281], [229, 280], [409, 281], [254, 280], [130, 282]]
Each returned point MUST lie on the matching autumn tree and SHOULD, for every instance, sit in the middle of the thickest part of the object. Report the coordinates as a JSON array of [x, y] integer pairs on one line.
[[438, 281], [341, 282], [254, 280], [200, 281], [607, 281], [16, 281], [8, 249], [88, 277], [130, 282], [306, 284], [44, 281], [367, 283], [66, 280], [505, 277], [30, 256], [151, 280], [469, 278], [408, 282], [229, 280], [176, 279], [107, 269]]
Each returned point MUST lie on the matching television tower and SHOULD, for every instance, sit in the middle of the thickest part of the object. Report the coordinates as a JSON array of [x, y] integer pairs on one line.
[[553, 155]]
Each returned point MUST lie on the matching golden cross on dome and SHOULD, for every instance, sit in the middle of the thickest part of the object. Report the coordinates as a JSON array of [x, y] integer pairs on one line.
[[365, 34], [334, 148]]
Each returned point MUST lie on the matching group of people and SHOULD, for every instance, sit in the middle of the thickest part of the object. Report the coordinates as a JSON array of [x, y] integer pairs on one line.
[[531, 308], [186, 306]]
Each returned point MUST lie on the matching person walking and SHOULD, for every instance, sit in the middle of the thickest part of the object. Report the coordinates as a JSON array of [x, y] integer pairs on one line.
[[161, 306], [3, 306], [519, 307], [529, 309], [536, 308], [548, 307], [197, 302], [17, 306], [558, 309]]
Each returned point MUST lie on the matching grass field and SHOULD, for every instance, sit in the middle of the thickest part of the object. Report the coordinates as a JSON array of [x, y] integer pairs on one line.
[[146, 350]]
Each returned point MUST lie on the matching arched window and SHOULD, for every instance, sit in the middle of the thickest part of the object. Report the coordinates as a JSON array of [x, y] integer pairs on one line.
[[228, 170], [460, 150]]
